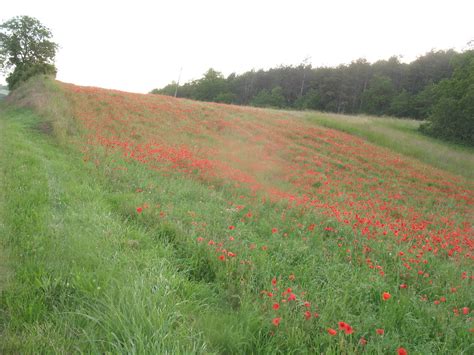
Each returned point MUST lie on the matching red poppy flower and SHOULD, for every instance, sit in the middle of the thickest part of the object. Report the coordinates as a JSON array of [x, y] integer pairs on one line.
[[274, 281], [380, 331], [307, 315], [276, 306], [348, 329], [276, 321], [274, 230], [231, 227], [402, 351], [221, 257], [139, 210], [345, 327], [332, 331], [386, 296], [465, 310]]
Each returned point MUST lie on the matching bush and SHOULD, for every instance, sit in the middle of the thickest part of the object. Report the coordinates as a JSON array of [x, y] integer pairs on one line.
[[26, 71]]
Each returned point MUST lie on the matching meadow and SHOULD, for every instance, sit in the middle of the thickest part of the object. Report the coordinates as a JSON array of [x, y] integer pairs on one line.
[[147, 224]]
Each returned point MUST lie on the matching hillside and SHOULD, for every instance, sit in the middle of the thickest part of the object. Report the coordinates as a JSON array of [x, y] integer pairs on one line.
[[154, 224]]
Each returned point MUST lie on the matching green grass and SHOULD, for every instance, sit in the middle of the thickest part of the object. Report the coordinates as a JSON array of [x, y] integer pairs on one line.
[[84, 275], [92, 275], [402, 136]]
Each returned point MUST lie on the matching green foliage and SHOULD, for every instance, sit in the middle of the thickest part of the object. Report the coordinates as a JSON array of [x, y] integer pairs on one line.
[[429, 69], [310, 101], [266, 98], [26, 49], [401, 105], [453, 114], [168, 90], [211, 86], [423, 102], [378, 97], [225, 97], [23, 72]]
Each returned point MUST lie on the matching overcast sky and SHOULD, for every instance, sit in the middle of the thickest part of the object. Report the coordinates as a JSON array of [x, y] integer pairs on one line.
[[140, 45]]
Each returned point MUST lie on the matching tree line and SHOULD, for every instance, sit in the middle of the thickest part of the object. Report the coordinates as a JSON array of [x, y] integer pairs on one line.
[[438, 86]]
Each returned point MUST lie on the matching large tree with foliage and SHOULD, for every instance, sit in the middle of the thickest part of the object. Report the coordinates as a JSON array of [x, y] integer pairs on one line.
[[452, 115], [26, 49]]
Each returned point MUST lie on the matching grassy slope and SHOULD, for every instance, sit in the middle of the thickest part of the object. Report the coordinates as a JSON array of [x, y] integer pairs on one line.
[[402, 136], [94, 275]]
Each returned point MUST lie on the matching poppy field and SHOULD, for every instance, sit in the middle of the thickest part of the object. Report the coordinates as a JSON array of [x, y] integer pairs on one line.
[[244, 230]]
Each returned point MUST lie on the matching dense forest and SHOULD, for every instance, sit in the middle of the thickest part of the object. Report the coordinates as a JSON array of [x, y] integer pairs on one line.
[[438, 86]]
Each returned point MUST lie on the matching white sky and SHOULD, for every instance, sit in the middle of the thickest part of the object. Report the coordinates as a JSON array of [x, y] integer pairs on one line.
[[140, 45]]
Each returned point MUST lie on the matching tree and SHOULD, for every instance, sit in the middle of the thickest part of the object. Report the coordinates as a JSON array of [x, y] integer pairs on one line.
[[402, 105], [430, 68], [310, 101], [267, 98], [378, 97], [212, 85], [452, 115], [26, 49]]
